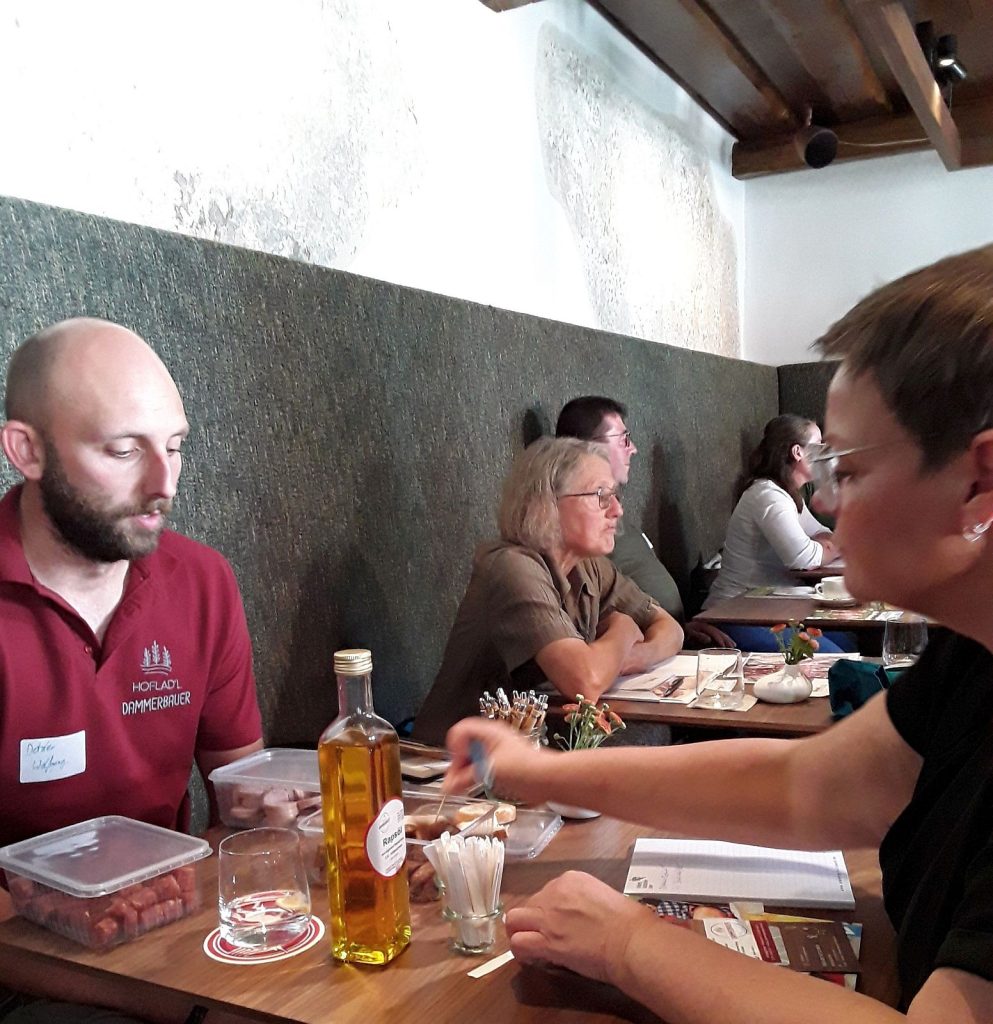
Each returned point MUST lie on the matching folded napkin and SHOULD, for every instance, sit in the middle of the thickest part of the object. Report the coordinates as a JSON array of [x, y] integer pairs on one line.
[[852, 683]]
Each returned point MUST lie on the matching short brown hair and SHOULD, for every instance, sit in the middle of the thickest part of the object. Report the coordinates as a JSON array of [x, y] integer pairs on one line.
[[927, 341], [26, 396]]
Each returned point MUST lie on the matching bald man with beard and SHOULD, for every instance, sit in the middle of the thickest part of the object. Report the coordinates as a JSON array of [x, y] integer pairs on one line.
[[124, 652]]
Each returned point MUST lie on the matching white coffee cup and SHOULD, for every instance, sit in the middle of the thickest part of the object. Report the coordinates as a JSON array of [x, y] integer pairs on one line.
[[833, 588]]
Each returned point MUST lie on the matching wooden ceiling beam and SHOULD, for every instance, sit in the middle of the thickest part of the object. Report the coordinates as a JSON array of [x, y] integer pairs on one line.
[[693, 48], [856, 141], [873, 137], [752, 26], [942, 10], [975, 122], [825, 44], [889, 28]]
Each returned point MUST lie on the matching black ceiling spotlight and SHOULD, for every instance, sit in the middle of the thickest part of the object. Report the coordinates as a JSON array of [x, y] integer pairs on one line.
[[949, 66], [817, 146], [941, 54]]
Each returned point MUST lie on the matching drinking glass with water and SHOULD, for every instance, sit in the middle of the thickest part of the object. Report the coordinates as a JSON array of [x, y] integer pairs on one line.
[[904, 640], [720, 682], [263, 897]]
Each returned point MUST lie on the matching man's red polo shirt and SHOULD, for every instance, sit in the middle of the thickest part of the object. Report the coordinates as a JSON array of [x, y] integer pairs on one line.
[[89, 728]]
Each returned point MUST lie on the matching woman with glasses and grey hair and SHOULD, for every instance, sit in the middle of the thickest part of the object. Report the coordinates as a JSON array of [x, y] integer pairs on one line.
[[908, 471], [771, 531], [545, 609]]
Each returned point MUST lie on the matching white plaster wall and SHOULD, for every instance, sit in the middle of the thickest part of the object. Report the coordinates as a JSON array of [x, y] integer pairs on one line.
[[818, 241], [402, 139], [659, 258]]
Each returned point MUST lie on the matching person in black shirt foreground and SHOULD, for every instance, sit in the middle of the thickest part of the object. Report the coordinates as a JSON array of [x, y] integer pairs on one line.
[[907, 468]]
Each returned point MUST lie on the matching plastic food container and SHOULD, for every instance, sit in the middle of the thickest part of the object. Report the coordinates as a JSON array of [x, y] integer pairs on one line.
[[104, 881], [422, 823], [275, 787], [530, 832]]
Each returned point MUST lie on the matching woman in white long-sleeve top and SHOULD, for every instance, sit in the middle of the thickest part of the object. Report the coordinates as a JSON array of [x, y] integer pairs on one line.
[[771, 530]]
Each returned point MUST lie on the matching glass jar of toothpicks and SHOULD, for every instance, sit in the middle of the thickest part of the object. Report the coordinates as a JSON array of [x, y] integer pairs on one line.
[[526, 712]]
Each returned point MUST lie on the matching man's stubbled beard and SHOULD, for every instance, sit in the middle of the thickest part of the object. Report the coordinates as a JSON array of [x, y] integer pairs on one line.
[[97, 533]]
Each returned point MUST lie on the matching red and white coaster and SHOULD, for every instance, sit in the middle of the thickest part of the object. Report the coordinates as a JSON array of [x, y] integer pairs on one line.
[[218, 948]]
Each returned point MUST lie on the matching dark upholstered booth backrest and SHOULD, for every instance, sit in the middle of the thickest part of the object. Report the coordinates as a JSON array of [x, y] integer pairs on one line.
[[803, 388], [350, 436]]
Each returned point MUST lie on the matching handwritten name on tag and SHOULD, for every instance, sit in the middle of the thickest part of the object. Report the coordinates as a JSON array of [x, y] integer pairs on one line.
[[53, 757]]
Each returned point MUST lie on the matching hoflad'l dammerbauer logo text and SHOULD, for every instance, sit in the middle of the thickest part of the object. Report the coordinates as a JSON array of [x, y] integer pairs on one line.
[[156, 694]]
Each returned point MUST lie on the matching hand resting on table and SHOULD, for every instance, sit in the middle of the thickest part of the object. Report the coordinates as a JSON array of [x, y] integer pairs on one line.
[[576, 921]]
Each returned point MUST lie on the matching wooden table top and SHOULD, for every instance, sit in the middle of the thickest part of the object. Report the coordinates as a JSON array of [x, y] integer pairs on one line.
[[804, 719], [767, 611], [818, 574], [427, 982]]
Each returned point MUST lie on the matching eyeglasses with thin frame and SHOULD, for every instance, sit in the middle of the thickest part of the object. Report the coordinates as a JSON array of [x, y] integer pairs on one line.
[[603, 495], [626, 441], [823, 462]]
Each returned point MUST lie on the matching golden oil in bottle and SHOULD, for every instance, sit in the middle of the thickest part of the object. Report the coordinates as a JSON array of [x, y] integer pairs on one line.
[[359, 756]]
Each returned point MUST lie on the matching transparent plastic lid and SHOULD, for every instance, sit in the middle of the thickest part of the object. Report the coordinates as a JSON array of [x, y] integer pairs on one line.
[[275, 766], [312, 825], [530, 832], [102, 855], [426, 805], [526, 836]]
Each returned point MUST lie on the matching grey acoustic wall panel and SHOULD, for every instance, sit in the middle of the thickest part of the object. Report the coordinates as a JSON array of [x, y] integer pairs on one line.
[[350, 436], [803, 388]]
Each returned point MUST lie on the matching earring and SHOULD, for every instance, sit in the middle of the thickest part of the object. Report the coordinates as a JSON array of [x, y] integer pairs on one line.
[[973, 533]]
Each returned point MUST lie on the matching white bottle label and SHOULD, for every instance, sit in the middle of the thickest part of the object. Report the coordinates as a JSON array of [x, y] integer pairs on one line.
[[385, 841]]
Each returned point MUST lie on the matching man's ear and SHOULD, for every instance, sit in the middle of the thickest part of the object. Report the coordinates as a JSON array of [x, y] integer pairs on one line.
[[977, 510], [23, 445], [797, 452]]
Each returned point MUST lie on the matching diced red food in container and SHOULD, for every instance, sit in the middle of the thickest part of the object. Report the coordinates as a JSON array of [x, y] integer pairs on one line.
[[186, 878], [141, 897], [104, 881], [166, 887]]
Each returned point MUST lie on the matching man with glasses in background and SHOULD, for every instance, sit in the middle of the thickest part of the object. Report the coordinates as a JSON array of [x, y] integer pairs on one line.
[[599, 419]]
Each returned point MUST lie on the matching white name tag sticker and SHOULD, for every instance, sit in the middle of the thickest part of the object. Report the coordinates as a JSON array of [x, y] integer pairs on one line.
[[53, 757]]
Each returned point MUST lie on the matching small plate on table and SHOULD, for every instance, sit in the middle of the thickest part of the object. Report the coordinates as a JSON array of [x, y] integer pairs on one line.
[[835, 602]]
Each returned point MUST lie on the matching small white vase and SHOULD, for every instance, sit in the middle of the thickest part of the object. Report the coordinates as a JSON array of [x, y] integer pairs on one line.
[[568, 811], [787, 686]]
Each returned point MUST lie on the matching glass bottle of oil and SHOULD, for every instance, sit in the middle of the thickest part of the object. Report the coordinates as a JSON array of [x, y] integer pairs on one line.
[[359, 755]]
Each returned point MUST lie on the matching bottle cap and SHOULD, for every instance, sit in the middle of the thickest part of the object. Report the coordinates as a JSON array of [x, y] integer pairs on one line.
[[353, 662]]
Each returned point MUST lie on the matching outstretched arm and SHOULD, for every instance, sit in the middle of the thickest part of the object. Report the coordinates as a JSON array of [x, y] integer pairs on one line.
[[812, 793]]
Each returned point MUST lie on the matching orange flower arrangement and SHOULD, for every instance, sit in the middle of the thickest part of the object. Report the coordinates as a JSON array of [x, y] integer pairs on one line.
[[803, 641], [589, 725]]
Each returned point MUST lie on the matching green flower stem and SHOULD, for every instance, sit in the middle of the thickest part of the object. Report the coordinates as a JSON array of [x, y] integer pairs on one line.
[[585, 732]]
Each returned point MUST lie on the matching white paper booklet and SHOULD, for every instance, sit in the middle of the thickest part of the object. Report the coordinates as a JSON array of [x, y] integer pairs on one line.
[[660, 680], [708, 871]]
